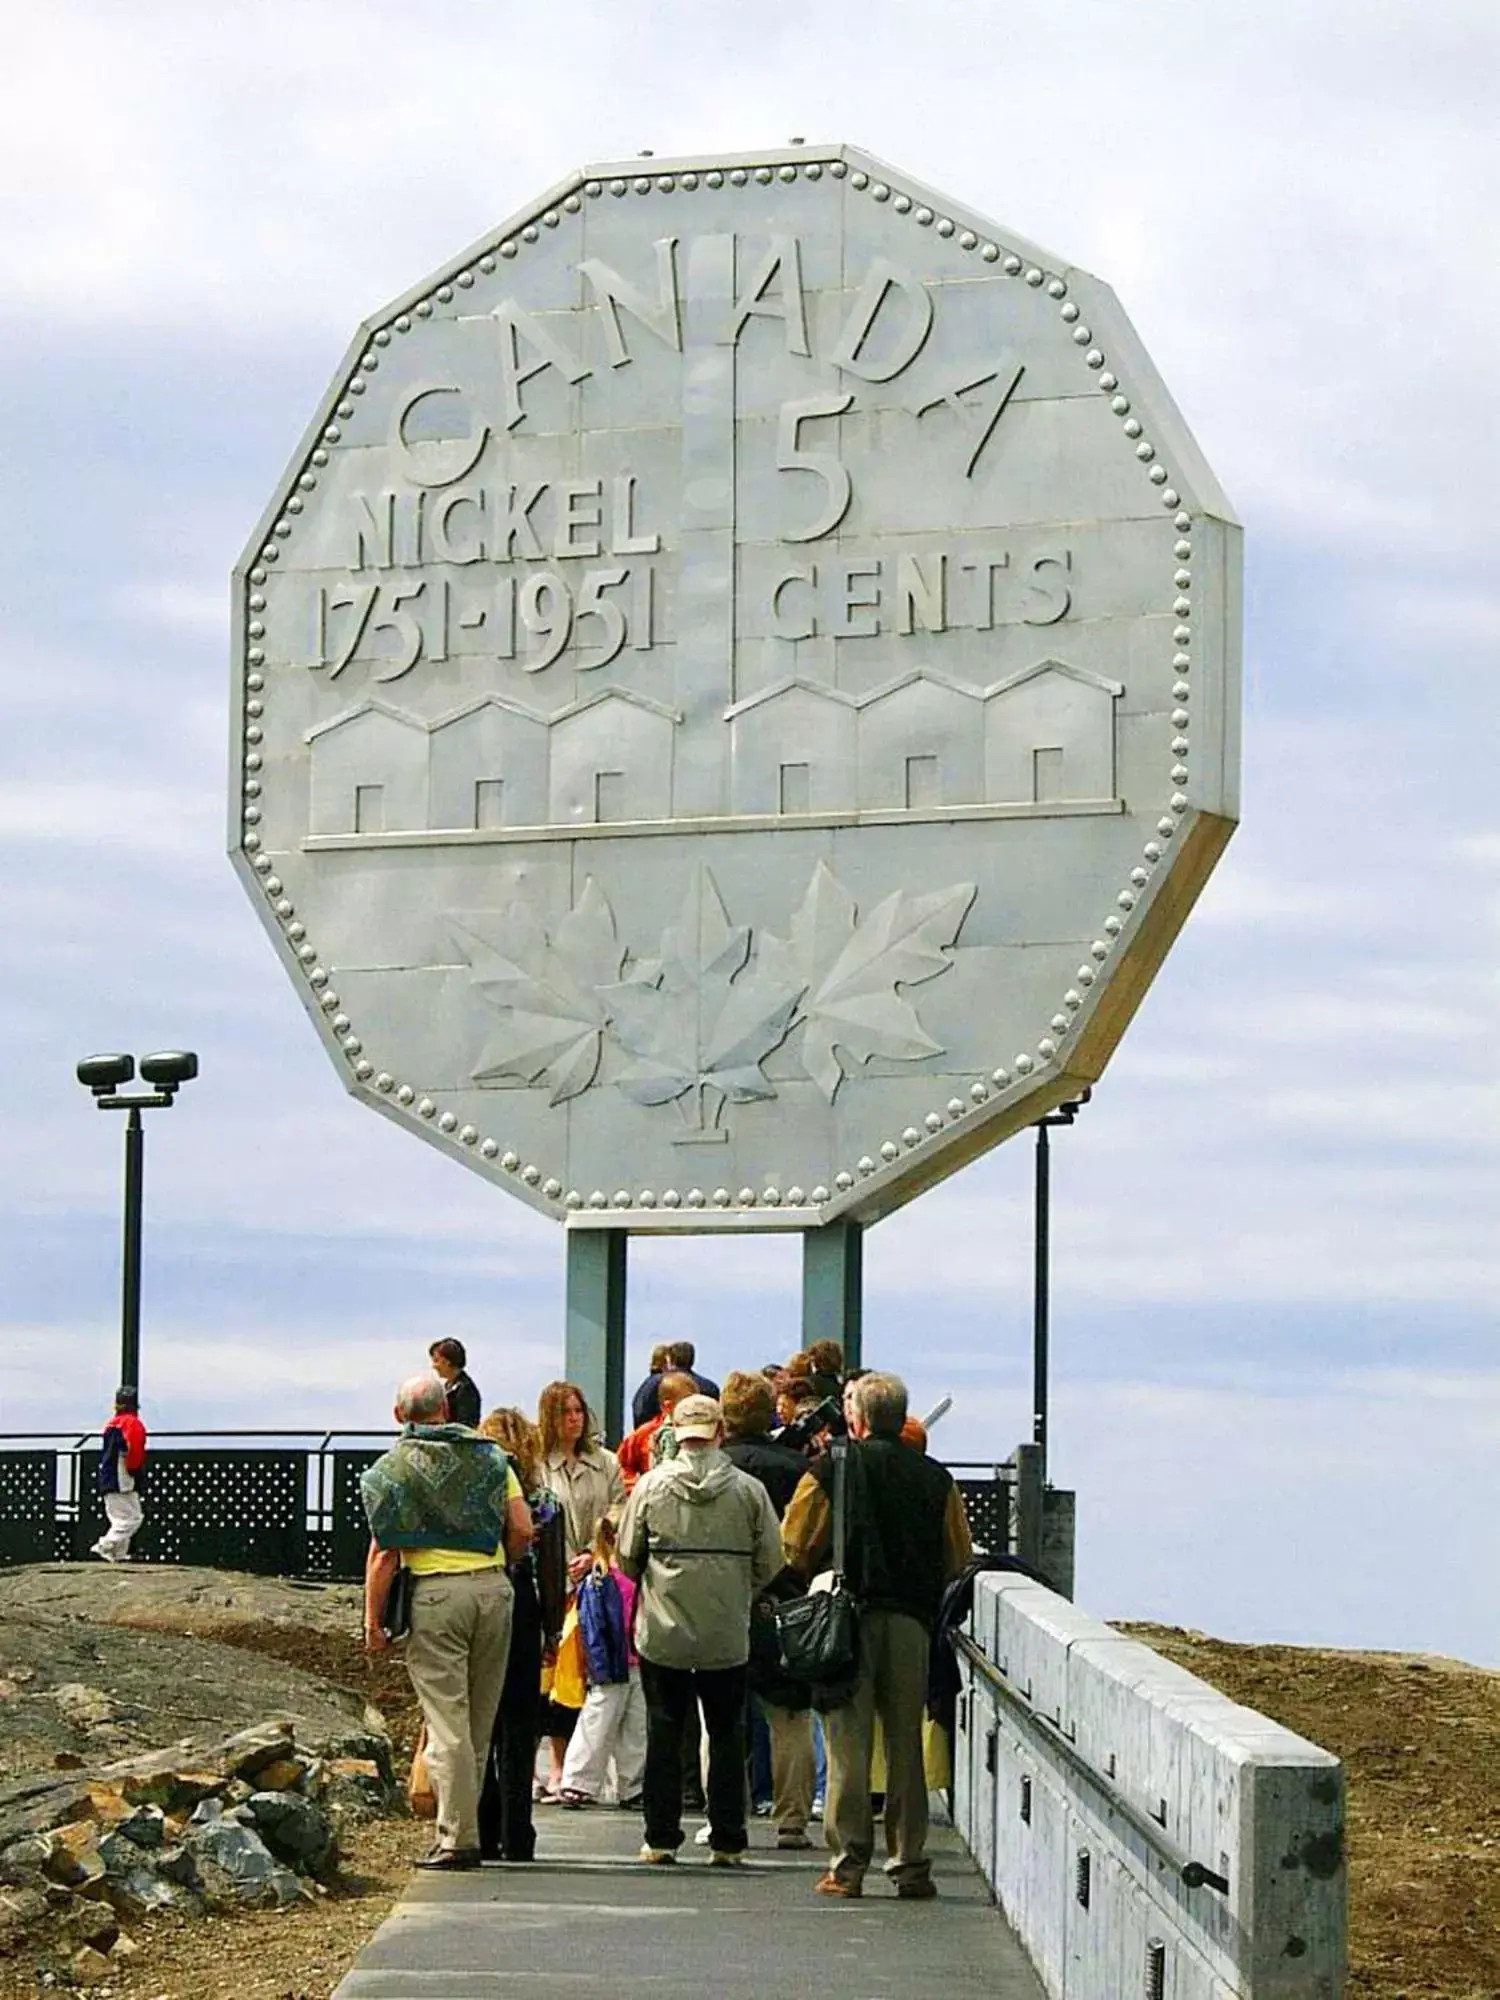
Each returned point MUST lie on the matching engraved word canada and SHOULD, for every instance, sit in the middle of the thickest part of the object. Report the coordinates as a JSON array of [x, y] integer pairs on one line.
[[490, 536]]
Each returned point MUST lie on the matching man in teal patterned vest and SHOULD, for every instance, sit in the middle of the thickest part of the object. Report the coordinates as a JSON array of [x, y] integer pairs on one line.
[[444, 1504]]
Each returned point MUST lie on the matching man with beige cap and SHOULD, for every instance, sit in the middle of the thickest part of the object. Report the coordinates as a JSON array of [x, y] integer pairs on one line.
[[702, 1540]]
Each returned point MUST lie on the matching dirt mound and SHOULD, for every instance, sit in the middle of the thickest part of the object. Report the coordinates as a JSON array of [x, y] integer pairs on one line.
[[93, 1693], [315, 1628], [378, 1678], [1419, 1737]]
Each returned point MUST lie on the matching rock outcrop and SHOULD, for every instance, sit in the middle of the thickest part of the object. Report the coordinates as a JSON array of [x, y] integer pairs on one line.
[[251, 1821]]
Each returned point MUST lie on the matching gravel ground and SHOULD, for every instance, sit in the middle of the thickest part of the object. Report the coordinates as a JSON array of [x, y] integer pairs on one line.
[[296, 1954], [1419, 1736]]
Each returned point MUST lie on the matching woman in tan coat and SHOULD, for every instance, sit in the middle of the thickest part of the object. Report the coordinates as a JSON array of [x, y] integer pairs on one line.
[[587, 1480]]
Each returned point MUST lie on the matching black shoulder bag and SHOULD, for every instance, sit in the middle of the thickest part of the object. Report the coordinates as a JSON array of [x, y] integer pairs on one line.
[[818, 1635]]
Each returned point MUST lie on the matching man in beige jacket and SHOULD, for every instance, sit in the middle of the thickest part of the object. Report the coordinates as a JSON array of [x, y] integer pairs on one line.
[[702, 1540]]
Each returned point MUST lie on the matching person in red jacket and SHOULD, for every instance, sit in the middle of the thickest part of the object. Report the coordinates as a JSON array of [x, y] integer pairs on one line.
[[649, 1443], [122, 1463]]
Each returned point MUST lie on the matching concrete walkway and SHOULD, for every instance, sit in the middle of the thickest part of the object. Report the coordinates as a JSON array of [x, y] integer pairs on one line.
[[587, 1917]]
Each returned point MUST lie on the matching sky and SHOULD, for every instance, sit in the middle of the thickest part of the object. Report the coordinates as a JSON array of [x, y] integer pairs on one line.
[[1276, 1385]]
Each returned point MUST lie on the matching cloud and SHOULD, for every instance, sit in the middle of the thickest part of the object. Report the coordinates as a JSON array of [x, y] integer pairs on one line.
[[362, 1366], [1241, 895], [1274, 1250], [1263, 1516], [151, 819], [176, 606]]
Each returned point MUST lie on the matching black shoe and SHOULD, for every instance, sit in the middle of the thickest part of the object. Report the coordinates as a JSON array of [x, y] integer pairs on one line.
[[632, 1804], [920, 1890], [519, 1854], [694, 1802], [451, 1858]]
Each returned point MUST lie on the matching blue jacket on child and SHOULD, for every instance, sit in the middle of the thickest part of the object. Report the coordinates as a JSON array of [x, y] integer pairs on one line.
[[601, 1620]]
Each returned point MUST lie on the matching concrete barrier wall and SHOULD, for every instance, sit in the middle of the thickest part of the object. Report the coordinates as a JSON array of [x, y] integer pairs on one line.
[[1144, 1835]]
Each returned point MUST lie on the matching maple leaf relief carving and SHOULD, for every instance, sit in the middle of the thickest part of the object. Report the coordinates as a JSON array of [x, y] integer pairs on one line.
[[848, 969], [548, 991], [700, 1020], [696, 1023]]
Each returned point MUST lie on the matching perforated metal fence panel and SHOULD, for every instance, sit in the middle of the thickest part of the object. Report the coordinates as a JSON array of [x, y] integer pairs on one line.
[[224, 1509], [75, 1536], [351, 1531], [28, 1484], [276, 1512], [987, 1504]]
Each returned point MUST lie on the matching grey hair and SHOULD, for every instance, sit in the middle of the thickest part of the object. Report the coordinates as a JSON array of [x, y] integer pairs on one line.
[[881, 1401], [420, 1399]]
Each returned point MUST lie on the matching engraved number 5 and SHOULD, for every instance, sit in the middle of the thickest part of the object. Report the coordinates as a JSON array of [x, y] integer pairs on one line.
[[408, 633], [592, 603], [824, 465]]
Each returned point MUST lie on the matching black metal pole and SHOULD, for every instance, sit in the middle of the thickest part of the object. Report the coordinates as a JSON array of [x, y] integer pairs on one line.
[[130, 1290], [1039, 1297]]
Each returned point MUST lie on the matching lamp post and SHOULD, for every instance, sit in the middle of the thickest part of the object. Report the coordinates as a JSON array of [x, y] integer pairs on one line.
[[105, 1076], [1041, 1296]]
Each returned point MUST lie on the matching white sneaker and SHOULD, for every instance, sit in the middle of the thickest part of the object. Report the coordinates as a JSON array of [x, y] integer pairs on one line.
[[105, 1555], [702, 1837], [658, 1857]]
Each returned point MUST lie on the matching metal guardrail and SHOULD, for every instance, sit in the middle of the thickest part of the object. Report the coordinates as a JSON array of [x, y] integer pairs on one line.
[[1192, 1874], [275, 1502], [285, 1505]]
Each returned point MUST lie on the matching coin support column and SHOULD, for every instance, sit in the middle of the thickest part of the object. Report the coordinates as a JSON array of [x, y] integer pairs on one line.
[[594, 1323], [833, 1287]]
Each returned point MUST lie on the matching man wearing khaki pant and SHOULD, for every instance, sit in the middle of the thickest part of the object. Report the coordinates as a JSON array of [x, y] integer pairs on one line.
[[444, 1504], [749, 1407], [794, 1768], [906, 1537]]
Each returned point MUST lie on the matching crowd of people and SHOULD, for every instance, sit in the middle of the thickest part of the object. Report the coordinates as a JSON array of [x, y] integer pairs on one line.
[[585, 1626]]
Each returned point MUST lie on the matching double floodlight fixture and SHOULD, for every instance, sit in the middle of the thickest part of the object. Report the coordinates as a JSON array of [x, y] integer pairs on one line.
[[165, 1071], [106, 1076]]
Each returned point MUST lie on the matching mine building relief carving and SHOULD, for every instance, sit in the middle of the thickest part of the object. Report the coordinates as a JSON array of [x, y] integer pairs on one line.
[[1043, 737]]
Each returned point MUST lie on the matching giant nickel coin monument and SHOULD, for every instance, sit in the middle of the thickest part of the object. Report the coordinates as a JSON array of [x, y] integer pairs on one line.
[[735, 695]]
